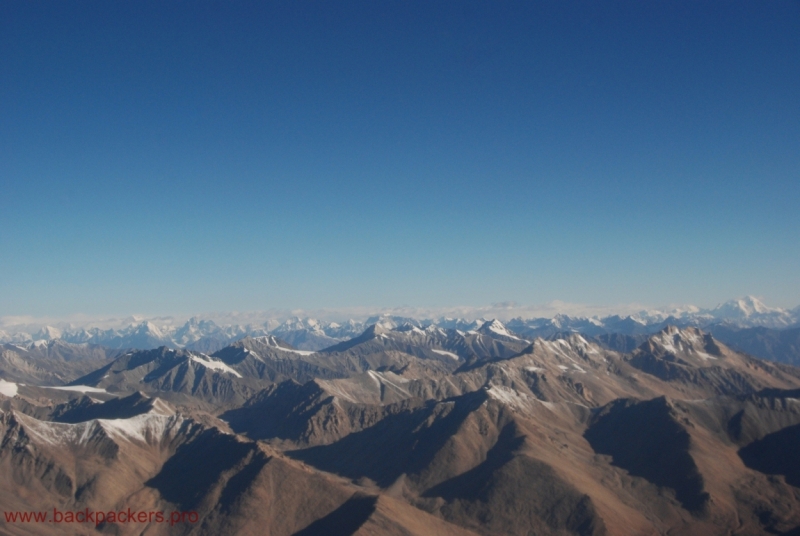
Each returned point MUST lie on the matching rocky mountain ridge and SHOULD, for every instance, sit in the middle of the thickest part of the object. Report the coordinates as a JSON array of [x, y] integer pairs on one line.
[[308, 333], [418, 429]]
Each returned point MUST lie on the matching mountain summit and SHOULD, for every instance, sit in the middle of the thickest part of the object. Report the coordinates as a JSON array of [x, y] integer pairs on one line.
[[412, 430]]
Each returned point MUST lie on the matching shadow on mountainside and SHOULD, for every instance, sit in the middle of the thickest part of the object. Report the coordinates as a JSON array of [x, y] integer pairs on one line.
[[776, 454], [645, 439], [197, 466], [345, 520], [402, 443]]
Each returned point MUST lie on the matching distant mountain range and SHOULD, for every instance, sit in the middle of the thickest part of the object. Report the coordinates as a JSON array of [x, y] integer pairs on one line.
[[746, 324]]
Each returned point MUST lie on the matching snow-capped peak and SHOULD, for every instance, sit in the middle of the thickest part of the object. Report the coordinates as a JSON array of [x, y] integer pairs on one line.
[[495, 327], [148, 427], [149, 328], [742, 308], [683, 341], [47, 333]]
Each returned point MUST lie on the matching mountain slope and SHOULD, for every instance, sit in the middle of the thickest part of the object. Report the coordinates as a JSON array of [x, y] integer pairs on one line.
[[53, 362], [389, 433]]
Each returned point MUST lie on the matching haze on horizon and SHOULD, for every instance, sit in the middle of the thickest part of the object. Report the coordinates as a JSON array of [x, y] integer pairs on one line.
[[175, 158], [747, 309]]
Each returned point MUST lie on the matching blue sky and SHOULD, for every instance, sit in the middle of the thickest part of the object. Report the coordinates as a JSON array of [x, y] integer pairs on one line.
[[182, 157]]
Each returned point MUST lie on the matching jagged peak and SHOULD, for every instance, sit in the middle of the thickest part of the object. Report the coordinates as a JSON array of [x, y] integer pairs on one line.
[[376, 329], [153, 425], [682, 341], [496, 328]]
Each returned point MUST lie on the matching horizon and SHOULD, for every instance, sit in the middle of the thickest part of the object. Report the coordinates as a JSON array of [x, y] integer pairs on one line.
[[499, 311]]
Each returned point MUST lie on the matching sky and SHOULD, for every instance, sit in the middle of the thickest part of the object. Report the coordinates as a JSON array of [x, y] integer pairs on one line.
[[176, 157]]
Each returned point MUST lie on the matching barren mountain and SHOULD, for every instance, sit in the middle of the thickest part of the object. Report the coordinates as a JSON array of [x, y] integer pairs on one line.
[[416, 430], [178, 375], [53, 362]]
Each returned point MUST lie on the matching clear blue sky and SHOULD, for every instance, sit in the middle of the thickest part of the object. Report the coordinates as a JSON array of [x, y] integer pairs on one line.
[[180, 157]]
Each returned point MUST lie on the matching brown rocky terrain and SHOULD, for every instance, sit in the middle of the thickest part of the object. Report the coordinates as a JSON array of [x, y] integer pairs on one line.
[[681, 436]]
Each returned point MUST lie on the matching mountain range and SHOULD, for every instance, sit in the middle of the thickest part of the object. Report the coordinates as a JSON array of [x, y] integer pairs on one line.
[[746, 324], [408, 428]]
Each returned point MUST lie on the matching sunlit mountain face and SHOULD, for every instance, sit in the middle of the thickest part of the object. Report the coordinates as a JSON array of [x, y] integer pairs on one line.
[[556, 426]]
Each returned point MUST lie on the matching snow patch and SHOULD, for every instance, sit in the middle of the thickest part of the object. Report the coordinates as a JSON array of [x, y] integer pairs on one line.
[[375, 377], [448, 354], [273, 342], [8, 388], [215, 365], [77, 388], [508, 396], [548, 405], [396, 378], [141, 427], [151, 426], [295, 351], [337, 391], [555, 347], [382, 378]]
